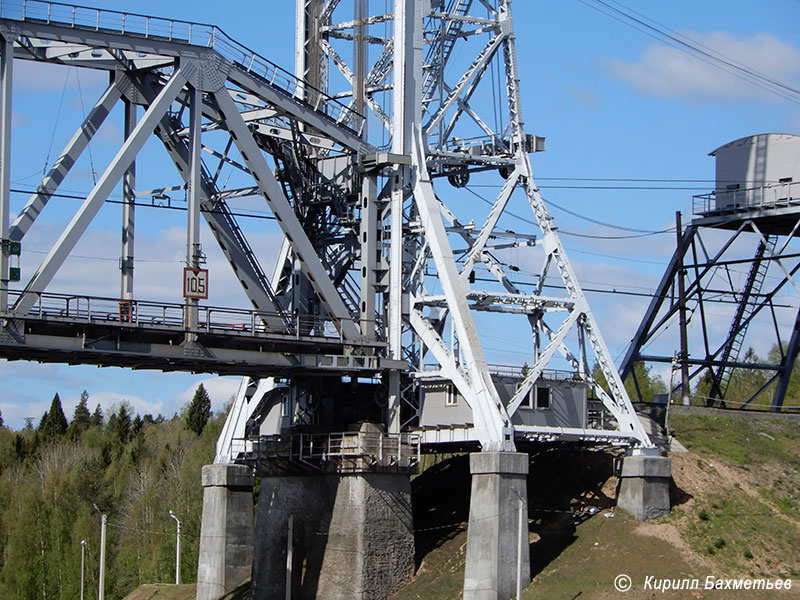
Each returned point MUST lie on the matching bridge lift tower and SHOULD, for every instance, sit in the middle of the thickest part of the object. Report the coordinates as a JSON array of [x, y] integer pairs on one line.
[[387, 279], [731, 282]]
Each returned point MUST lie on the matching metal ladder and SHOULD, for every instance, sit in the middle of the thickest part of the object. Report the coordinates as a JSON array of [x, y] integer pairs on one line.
[[747, 304]]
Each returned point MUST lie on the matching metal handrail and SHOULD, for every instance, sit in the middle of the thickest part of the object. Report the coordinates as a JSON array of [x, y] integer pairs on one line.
[[520, 371], [729, 201], [382, 449], [182, 32], [169, 314]]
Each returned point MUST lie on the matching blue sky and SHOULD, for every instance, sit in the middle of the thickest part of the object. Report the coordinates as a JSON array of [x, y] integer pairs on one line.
[[612, 102]]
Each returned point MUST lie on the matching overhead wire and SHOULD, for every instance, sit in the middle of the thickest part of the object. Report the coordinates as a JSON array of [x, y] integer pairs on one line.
[[55, 124], [640, 233], [693, 48], [83, 110]]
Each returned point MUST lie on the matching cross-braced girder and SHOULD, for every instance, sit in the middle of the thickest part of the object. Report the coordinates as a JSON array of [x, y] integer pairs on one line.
[[739, 290], [202, 94]]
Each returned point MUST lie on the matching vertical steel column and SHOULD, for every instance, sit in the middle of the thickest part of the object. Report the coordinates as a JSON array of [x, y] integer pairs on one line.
[[300, 47], [194, 189], [6, 80], [787, 366], [684, 354], [360, 12], [406, 111], [369, 254], [128, 208], [395, 312]]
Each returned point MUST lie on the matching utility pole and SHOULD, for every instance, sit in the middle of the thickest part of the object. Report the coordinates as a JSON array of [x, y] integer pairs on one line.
[[101, 593], [83, 553], [177, 550]]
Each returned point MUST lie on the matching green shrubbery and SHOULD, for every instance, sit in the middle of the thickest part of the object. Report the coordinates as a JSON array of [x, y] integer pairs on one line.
[[56, 480]]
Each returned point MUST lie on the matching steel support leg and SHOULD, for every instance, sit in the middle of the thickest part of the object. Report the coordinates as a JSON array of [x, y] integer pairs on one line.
[[195, 187], [128, 208], [6, 80]]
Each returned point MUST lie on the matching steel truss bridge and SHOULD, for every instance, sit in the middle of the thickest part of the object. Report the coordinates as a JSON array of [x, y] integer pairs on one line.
[[363, 158]]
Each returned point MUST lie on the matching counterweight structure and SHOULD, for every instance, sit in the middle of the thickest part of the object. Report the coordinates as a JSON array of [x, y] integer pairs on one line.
[[365, 160]]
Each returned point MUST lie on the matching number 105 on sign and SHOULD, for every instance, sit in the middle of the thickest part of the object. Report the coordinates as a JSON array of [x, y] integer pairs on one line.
[[195, 283]]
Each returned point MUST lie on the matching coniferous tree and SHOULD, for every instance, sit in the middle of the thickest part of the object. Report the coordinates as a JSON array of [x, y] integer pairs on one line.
[[136, 425], [42, 422], [97, 416], [122, 423], [81, 418], [54, 423], [199, 410]]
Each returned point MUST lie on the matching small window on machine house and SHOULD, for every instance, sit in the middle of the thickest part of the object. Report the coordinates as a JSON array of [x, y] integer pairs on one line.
[[542, 398], [451, 398]]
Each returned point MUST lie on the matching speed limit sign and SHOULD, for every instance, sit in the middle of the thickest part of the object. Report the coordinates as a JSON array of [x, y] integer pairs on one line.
[[195, 283]]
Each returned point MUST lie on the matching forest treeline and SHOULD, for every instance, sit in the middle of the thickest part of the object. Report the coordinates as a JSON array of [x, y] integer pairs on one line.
[[58, 478]]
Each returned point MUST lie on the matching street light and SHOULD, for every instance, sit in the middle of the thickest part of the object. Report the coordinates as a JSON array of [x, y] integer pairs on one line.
[[177, 550], [83, 552]]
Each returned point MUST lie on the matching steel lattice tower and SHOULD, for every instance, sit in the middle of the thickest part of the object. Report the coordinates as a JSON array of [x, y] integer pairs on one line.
[[405, 71]]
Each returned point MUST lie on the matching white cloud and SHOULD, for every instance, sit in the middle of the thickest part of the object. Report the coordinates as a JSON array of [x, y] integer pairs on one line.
[[668, 72]]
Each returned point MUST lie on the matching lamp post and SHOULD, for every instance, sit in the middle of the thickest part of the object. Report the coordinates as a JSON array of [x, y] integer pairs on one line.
[[101, 594], [83, 552], [177, 550]]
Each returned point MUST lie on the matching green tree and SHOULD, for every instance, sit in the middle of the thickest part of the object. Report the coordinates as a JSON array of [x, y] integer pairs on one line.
[[199, 410], [745, 383], [648, 384], [54, 424], [81, 417], [122, 423], [97, 416]]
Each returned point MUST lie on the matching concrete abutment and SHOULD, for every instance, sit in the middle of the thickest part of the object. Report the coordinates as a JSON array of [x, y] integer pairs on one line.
[[494, 543], [352, 536], [226, 530], [644, 486]]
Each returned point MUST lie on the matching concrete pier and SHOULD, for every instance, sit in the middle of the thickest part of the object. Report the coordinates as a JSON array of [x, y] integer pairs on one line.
[[644, 486], [499, 485], [352, 536], [226, 530]]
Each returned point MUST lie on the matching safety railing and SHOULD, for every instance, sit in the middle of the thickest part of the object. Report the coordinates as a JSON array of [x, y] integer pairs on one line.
[[166, 315], [737, 200], [521, 371], [347, 451], [183, 32]]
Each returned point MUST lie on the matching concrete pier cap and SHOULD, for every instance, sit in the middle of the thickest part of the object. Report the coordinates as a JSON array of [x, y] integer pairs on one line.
[[643, 488], [497, 537]]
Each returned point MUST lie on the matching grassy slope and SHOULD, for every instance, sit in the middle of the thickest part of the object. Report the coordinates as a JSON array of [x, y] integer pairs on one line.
[[735, 514]]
